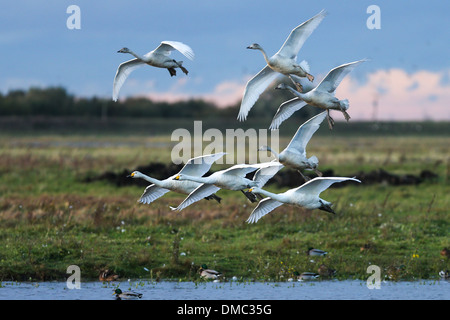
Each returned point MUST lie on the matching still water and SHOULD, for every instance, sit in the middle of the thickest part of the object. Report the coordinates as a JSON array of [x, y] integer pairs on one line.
[[167, 290]]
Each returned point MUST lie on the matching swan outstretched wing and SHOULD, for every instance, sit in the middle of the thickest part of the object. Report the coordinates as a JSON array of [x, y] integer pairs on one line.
[[254, 88], [335, 76], [241, 170], [319, 184], [198, 166], [151, 193], [305, 132], [123, 71], [298, 36], [285, 110], [166, 47], [202, 191], [265, 173], [265, 206]]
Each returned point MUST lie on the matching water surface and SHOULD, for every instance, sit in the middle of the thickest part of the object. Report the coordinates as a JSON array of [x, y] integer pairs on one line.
[[171, 290]]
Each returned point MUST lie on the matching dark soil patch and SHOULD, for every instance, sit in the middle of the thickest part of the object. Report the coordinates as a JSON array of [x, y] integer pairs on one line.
[[286, 177]]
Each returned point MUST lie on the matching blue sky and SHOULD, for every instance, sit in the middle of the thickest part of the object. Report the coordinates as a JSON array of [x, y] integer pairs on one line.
[[409, 66]]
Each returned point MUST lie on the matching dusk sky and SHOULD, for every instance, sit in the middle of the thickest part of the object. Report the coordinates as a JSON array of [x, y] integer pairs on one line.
[[408, 73]]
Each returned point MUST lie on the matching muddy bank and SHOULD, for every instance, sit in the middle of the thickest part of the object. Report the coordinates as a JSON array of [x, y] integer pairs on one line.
[[286, 177]]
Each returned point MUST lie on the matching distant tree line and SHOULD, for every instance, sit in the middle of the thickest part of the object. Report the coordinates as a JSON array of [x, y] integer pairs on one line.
[[57, 102]]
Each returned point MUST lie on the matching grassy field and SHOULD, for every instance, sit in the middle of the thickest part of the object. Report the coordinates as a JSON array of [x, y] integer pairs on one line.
[[50, 217]]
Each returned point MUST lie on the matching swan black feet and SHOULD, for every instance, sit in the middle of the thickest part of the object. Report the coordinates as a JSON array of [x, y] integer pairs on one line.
[[319, 174], [306, 178], [330, 120], [250, 196], [215, 197], [298, 85], [172, 71], [346, 115], [184, 70]]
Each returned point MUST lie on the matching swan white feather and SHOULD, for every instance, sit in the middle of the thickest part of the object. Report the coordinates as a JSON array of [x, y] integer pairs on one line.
[[151, 193], [285, 111], [202, 191], [283, 63], [322, 96], [264, 207], [294, 155], [233, 178], [156, 58], [195, 166], [306, 196]]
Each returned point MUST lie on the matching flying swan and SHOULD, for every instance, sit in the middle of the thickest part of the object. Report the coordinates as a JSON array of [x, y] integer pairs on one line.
[[322, 96], [232, 178], [197, 166], [294, 155], [306, 196], [160, 58], [281, 64]]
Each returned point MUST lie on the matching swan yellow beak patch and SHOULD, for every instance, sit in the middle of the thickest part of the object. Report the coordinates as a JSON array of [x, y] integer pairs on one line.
[[250, 190], [177, 177], [132, 174]]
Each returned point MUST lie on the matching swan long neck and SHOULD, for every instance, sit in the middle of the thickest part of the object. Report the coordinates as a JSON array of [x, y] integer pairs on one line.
[[157, 182], [136, 55], [266, 57], [273, 152], [274, 196], [195, 179], [295, 92]]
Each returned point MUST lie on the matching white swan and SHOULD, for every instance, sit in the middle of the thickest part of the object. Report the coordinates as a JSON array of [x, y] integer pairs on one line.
[[281, 64], [321, 96], [197, 166], [306, 196], [232, 179], [156, 58], [294, 155]]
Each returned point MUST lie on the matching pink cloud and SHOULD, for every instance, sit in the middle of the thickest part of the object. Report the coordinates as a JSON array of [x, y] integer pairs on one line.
[[224, 94], [397, 95], [391, 95]]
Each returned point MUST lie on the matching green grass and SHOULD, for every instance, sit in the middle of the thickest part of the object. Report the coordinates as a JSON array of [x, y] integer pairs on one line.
[[50, 218]]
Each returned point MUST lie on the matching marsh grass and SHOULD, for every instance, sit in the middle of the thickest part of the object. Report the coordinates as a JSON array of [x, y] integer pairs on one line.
[[50, 218]]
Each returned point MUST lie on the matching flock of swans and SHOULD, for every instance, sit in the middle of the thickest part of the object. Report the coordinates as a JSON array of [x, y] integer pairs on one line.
[[282, 65]]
